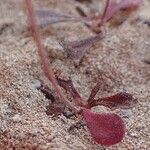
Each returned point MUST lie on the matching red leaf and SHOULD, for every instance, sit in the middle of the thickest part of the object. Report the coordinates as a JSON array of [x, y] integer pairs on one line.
[[113, 7], [119, 100], [106, 128]]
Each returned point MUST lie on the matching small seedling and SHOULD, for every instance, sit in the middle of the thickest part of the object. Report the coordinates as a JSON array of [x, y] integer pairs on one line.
[[113, 7], [105, 128], [94, 21], [76, 49]]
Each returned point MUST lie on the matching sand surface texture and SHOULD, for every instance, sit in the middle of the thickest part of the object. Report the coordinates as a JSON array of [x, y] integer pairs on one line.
[[121, 61]]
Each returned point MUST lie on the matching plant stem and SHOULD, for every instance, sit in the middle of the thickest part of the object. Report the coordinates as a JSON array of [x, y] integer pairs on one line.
[[105, 11], [43, 56]]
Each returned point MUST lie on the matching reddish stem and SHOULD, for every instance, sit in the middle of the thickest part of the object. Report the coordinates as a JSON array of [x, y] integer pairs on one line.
[[105, 11], [43, 56]]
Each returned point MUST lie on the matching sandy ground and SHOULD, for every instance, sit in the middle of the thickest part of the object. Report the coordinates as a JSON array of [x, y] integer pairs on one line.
[[120, 61]]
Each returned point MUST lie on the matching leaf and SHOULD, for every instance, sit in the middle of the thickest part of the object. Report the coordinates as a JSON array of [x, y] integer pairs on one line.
[[106, 128], [68, 86], [76, 49], [113, 7], [120, 100], [93, 93], [45, 17]]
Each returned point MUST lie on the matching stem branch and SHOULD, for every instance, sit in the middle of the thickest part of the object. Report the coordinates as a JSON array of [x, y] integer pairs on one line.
[[43, 56]]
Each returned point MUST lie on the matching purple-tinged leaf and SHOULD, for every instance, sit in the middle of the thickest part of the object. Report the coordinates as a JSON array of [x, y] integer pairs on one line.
[[120, 100], [76, 49], [113, 7], [45, 17], [94, 92], [68, 86], [105, 128]]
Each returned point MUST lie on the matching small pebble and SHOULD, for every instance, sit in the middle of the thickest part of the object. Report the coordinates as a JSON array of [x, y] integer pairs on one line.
[[16, 118], [127, 113], [36, 84]]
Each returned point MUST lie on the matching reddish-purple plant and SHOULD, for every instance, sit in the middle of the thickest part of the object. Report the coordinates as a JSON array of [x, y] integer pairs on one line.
[[76, 49], [112, 8], [105, 128]]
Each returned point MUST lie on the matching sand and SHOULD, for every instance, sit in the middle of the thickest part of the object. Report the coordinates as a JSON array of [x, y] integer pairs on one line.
[[120, 61]]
